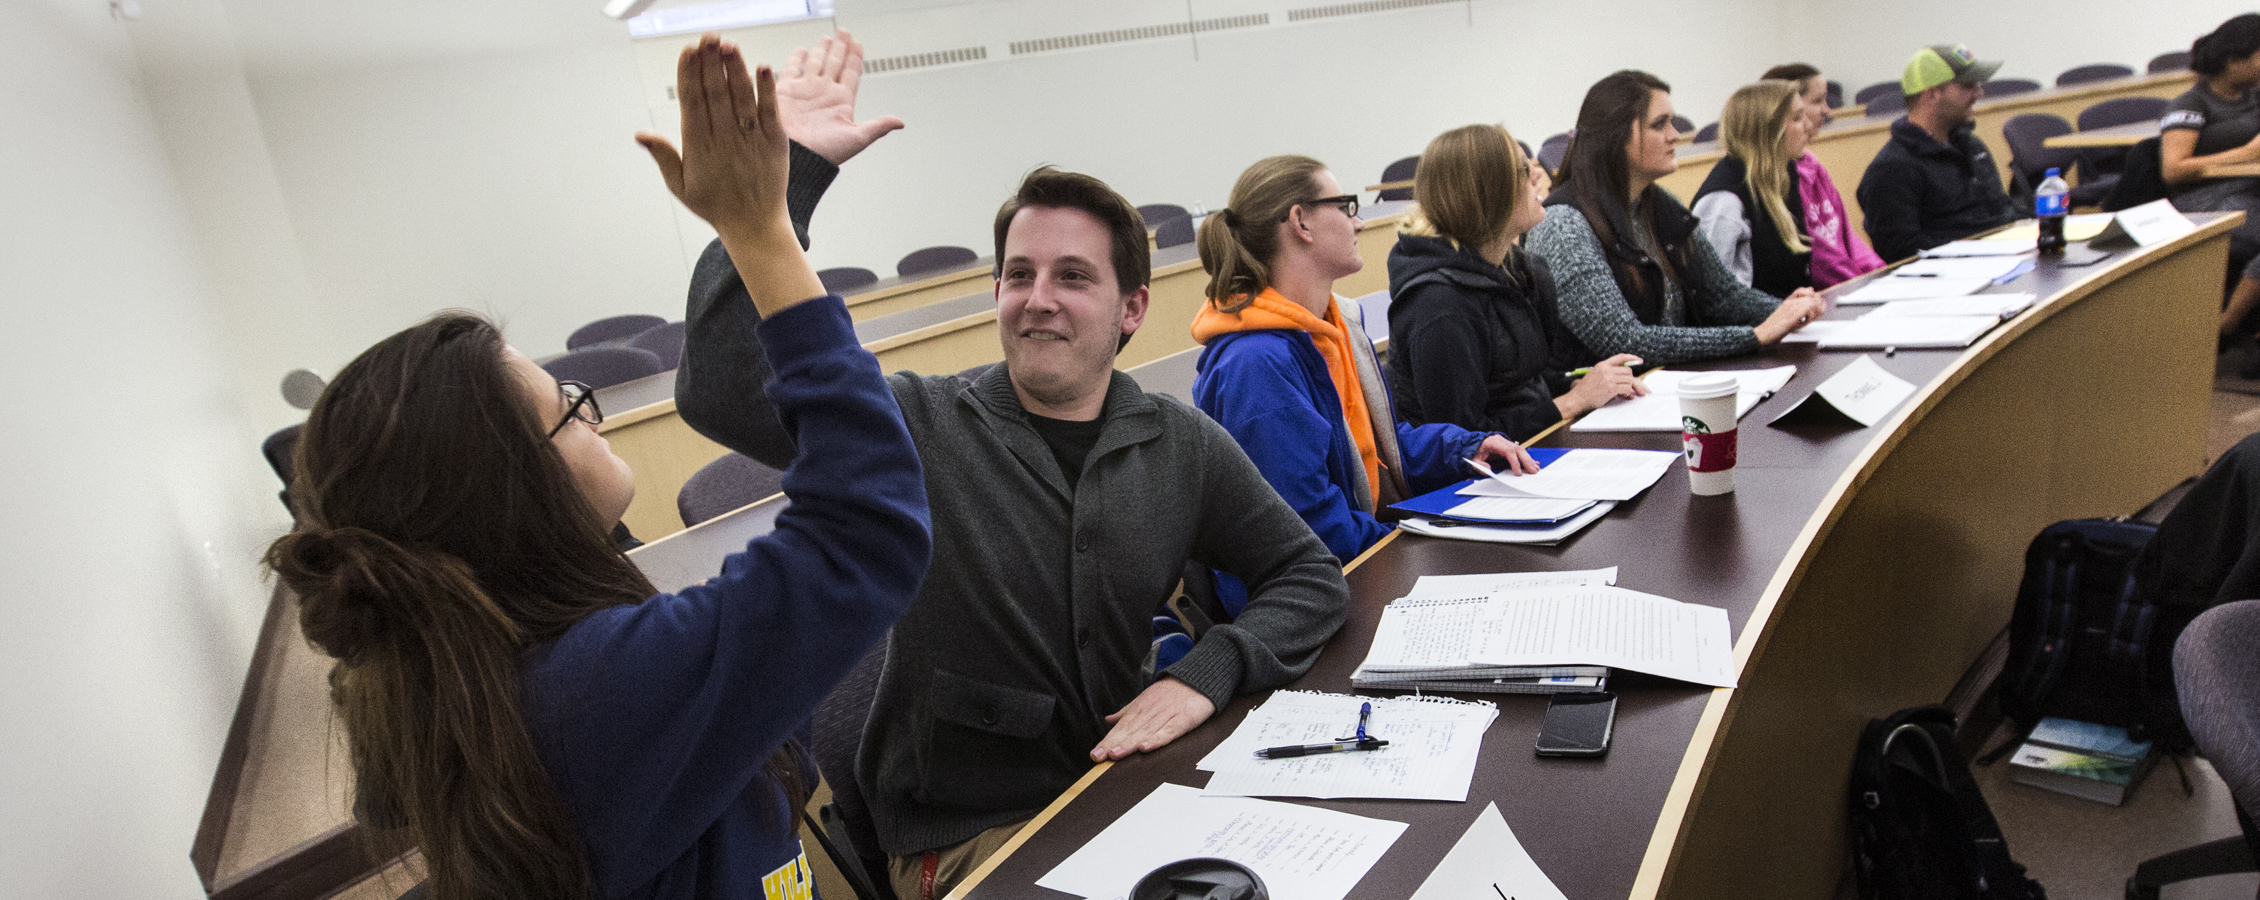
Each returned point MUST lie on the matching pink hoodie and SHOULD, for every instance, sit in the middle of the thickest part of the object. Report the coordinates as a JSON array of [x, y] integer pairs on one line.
[[1839, 255]]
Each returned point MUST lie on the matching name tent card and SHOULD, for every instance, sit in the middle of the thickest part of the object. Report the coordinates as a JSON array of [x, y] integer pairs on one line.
[[1863, 393], [2145, 225]]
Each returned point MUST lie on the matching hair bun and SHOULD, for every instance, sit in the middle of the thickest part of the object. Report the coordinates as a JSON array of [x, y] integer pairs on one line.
[[349, 582]]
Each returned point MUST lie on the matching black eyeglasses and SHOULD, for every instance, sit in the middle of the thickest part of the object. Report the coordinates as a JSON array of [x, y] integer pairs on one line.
[[1348, 203], [580, 403]]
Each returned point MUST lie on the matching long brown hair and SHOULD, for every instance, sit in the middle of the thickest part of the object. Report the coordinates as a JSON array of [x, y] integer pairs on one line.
[[1595, 171], [1237, 242], [441, 536]]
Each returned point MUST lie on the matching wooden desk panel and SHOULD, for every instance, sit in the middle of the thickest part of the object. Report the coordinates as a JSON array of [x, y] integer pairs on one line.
[[1710, 792], [893, 295]]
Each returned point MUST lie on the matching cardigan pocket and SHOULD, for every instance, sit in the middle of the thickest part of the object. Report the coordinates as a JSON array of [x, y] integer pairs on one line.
[[985, 746]]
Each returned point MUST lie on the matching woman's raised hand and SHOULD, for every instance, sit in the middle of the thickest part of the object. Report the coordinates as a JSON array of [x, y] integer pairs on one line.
[[732, 168]]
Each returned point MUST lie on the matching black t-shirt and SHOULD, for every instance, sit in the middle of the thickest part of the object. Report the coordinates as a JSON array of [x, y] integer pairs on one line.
[[1070, 442], [2221, 123]]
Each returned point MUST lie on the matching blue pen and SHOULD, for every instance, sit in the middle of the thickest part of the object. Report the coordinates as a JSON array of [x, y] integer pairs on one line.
[[1359, 741]]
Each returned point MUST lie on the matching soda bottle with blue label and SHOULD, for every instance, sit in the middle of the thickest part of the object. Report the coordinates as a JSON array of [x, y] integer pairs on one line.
[[2050, 204]]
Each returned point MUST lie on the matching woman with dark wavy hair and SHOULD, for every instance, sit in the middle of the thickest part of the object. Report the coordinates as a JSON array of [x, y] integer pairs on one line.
[[1636, 275], [518, 702]]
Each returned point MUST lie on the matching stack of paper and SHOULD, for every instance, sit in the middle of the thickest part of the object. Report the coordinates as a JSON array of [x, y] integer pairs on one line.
[[1427, 639], [1608, 626], [2000, 306], [1433, 745], [1986, 267], [1298, 851], [1907, 332], [1990, 245], [1584, 473], [1659, 410], [1885, 290]]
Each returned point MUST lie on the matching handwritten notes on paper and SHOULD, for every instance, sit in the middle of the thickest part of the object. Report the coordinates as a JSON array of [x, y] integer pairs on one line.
[[1608, 626], [1588, 473], [1658, 410], [1299, 851], [1433, 745]]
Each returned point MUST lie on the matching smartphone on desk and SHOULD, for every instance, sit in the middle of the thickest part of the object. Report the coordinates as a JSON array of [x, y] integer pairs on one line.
[[1578, 724]]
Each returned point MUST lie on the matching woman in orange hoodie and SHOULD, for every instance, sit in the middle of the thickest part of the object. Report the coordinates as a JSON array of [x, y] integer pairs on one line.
[[1289, 371]]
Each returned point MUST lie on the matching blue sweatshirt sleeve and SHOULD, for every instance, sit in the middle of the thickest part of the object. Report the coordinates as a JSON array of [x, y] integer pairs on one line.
[[1433, 453], [654, 718], [1261, 400]]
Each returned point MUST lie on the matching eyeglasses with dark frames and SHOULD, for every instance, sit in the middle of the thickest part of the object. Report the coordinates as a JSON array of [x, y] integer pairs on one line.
[[580, 403], [1348, 203]]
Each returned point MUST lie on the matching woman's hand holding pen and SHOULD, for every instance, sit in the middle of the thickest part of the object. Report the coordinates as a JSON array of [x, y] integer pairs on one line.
[[1608, 380]]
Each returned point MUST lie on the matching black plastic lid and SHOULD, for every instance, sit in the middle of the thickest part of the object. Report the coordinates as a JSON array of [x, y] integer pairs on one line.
[[1202, 878]]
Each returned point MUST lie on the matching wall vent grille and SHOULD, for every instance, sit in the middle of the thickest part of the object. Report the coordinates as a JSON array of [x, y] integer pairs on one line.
[[1351, 9], [1148, 32], [924, 60]]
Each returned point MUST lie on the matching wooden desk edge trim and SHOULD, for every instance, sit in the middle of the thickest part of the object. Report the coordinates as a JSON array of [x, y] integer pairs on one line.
[[968, 274], [1034, 825], [682, 531], [1687, 785], [935, 330]]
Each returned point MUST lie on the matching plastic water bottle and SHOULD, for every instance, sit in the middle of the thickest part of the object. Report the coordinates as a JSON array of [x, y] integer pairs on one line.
[[2050, 203]]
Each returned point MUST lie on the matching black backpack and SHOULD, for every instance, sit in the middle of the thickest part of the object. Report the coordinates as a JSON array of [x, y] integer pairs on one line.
[[2087, 641], [1920, 829]]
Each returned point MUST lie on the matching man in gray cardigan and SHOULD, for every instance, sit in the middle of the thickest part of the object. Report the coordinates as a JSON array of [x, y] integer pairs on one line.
[[1066, 501]]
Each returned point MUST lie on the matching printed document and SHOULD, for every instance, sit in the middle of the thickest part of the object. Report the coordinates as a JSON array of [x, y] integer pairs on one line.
[[1299, 851], [1659, 410], [1431, 628], [1608, 626], [1488, 861], [1885, 290], [1996, 305], [1483, 585], [1585, 473], [1433, 745], [1910, 332]]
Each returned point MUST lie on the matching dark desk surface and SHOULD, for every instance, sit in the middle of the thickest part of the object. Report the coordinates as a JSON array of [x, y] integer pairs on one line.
[[1588, 824]]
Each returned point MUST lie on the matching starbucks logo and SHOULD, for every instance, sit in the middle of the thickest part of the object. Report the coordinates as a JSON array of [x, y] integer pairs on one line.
[[1693, 425]]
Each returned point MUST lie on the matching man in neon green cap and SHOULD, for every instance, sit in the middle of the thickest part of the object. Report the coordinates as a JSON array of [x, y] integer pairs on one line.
[[1934, 181]]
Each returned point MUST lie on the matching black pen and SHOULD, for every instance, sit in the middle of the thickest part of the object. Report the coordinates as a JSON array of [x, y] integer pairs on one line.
[[1290, 752]]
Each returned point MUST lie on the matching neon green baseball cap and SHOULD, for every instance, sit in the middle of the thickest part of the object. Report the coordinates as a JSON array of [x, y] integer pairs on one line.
[[1940, 64]]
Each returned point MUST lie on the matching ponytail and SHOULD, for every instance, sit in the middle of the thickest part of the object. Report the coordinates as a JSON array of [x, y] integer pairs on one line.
[[2236, 39], [426, 685], [1237, 243]]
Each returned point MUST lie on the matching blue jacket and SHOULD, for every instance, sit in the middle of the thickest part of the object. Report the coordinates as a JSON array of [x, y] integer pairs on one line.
[[655, 720], [1271, 390]]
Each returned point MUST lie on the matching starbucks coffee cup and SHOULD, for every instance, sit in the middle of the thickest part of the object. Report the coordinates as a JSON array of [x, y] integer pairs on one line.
[[1707, 431]]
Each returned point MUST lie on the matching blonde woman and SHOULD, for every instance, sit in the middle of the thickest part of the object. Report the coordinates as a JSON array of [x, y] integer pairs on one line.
[[1750, 207], [1475, 334]]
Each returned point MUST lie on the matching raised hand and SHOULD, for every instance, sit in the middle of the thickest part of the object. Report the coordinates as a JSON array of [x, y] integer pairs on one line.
[[816, 96], [732, 168]]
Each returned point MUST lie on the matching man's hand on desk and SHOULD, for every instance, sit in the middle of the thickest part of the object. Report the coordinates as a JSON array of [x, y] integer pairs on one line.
[[1503, 455], [1163, 712]]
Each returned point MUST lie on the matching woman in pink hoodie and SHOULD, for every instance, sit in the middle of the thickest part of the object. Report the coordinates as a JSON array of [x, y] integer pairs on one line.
[[1839, 253]]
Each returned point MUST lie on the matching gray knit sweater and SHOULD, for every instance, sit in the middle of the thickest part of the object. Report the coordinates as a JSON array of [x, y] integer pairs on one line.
[[1596, 311], [1037, 612]]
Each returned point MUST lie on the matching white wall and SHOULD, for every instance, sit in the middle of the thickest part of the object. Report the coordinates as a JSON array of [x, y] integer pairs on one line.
[[136, 501]]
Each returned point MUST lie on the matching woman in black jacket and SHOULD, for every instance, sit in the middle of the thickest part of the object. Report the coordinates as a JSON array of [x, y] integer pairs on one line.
[[1474, 336], [1751, 207]]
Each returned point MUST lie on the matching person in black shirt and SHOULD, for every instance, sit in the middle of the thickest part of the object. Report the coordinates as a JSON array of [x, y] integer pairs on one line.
[[1934, 182]]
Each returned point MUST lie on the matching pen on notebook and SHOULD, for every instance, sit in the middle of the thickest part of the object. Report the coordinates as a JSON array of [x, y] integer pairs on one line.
[[1292, 751]]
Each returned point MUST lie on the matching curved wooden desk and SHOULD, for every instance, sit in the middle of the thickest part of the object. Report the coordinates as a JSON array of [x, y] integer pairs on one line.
[[1863, 570]]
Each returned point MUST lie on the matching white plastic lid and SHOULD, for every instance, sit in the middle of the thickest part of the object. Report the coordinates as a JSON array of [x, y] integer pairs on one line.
[[1709, 385]]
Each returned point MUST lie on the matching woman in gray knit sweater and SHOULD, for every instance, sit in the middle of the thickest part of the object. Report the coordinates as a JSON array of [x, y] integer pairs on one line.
[[1635, 274]]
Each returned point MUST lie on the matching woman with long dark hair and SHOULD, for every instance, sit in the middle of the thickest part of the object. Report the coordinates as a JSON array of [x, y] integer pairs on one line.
[[1635, 276], [1289, 371], [518, 702], [1475, 333], [2217, 122]]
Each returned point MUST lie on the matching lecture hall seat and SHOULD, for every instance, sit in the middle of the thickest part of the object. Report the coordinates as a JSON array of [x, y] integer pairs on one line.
[[2093, 72], [1889, 103], [665, 342], [732, 481], [1552, 151], [2010, 87], [1881, 88], [612, 328], [604, 366], [1683, 123], [2173, 61], [929, 260], [1175, 232], [1835, 94], [2217, 678], [1401, 170], [841, 279], [1707, 133], [1154, 214]]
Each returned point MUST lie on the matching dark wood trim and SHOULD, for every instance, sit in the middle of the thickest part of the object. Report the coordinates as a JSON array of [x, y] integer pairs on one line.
[[219, 805]]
